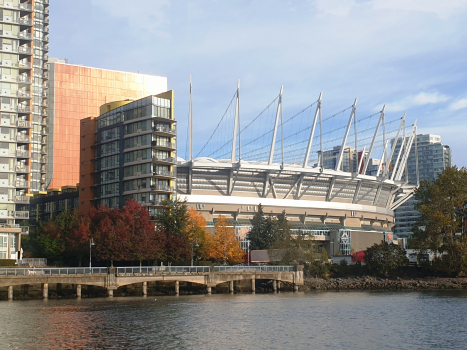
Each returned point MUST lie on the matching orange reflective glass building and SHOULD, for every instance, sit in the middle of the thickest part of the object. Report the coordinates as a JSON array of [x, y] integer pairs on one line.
[[77, 92]]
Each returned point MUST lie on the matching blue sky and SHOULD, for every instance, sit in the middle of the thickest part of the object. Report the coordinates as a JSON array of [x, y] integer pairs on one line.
[[409, 55]]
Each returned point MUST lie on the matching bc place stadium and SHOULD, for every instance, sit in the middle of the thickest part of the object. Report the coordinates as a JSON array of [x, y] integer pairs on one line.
[[338, 177]]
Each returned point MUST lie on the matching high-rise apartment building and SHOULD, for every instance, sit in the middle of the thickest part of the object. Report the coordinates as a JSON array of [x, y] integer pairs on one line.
[[129, 151], [349, 159], [77, 92], [433, 158], [24, 37]]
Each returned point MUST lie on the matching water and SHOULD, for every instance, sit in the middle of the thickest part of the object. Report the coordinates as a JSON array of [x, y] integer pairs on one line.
[[326, 320]]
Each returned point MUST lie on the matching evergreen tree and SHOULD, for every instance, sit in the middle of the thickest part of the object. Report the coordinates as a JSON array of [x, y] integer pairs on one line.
[[262, 233]]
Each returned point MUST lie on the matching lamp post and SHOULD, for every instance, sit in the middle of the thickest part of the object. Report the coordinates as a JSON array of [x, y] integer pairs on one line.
[[91, 243], [197, 245], [248, 251]]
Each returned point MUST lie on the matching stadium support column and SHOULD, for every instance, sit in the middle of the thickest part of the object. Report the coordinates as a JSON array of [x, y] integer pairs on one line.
[[236, 124], [274, 134], [393, 148], [313, 128], [396, 164], [367, 161], [344, 141], [190, 122]]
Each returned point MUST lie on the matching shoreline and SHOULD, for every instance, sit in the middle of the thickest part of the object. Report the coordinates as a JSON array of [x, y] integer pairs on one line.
[[377, 283]]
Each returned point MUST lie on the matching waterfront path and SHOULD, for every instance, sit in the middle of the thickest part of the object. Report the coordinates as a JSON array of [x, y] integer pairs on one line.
[[112, 278]]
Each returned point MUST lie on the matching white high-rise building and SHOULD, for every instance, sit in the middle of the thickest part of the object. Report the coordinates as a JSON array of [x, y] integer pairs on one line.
[[23, 63], [433, 158]]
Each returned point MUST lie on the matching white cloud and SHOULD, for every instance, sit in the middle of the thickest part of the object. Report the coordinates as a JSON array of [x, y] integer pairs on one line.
[[420, 99], [459, 104], [334, 7], [443, 9], [146, 15]]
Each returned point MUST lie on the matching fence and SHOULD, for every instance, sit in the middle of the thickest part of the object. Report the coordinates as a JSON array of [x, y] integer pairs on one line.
[[163, 269], [33, 262], [54, 271], [263, 268]]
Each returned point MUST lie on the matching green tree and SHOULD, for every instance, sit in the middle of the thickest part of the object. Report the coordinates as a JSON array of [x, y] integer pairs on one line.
[[384, 259], [262, 233], [441, 226]]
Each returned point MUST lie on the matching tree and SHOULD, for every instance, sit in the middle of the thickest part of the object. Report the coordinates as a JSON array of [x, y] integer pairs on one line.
[[198, 234], [384, 258], [223, 243], [262, 233], [110, 233], [441, 226], [77, 241], [146, 243], [174, 221]]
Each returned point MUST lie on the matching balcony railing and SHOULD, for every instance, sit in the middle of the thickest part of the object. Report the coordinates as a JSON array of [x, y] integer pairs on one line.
[[23, 169], [21, 183], [23, 154], [21, 215], [24, 124], [24, 230], [160, 143], [165, 159], [164, 188], [25, 94], [22, 199], [23, 49], [163, 173], [25, 21], [164, 128], [25, 6], [27, 65], [22, 109], [23, 138], [24, 79]]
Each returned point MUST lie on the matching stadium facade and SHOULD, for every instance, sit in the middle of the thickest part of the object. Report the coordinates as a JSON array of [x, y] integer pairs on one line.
[[334, 201]]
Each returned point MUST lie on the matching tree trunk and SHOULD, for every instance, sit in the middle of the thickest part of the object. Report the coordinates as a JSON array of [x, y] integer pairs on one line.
[[111, 263], [79, 262]]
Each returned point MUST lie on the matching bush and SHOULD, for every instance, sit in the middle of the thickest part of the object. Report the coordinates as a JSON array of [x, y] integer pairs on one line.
[[7, 262]]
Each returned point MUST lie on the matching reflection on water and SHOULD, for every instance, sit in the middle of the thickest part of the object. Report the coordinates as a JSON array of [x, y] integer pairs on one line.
[[431, 320]]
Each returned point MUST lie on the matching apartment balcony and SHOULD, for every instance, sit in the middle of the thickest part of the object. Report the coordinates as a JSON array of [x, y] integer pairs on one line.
[[26, 65], [44, 93], [20, 138], [23, 95], [21, 35], [44, 140], [23, 154], [44, 112], [46, 20], [25, 230], [24, 124], [24, 50], [45, 39], [24, 79], [163, 145], [45, 48], [164, 174], [25, 6], [45, 104], [43, 150], [162, 188], [45, 2], [25, 21], [22, 184], [24, 109], [43, 180], [22, 199], [164, 130], [165, 160], [21, 215], [45, 75], [23, 168]]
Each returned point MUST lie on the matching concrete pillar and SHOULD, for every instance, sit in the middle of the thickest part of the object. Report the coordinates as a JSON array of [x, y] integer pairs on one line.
[[78, 290], [177, 288], [208, 290], [145, 288], [110, 293], [59, 288], [278, 285], [274, 285], [253, 285], [231, 286], [295, 288], [10, 292], [45, 290]]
